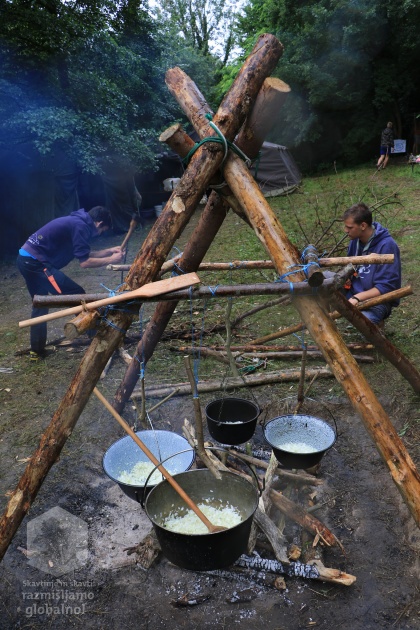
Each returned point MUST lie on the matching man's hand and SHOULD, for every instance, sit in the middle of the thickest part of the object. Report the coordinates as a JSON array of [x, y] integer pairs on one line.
[[117, 256]]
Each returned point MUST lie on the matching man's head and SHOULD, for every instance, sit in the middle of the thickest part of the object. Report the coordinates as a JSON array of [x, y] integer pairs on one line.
[[358, 222], [389, 125], [101, 217]]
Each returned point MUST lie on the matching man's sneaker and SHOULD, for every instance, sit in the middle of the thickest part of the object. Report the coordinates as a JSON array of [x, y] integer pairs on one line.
[[33, 357]]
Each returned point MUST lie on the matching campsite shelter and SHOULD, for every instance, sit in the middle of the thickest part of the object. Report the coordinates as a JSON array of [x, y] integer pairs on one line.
[[275, 170]]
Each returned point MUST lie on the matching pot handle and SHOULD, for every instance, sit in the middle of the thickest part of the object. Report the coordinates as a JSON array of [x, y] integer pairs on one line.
[[187, 450], [207, 448], [329, 411]]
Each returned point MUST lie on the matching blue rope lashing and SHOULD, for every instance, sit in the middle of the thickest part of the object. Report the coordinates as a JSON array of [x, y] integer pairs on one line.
[[213, 290], [301, 339], [112, 325], [237, 266], [283, 277], [113, 292], [309, 248], [177, 270], [141, 363], [314, 263]]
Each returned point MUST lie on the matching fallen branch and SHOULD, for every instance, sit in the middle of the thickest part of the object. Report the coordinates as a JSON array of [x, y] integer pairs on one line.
[[283, 376], [219, 355]]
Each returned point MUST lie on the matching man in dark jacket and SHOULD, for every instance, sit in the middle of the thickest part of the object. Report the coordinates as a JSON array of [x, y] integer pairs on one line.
[[387, 144], [52, 247], [370, 237]]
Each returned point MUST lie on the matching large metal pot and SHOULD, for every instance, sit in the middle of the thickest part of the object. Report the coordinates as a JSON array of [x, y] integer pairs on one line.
[[232, 420], [299, 441], [203, 552], [166, 446]]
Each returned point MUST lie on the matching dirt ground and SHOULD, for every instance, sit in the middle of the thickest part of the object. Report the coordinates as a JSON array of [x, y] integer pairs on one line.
[[358, 502]]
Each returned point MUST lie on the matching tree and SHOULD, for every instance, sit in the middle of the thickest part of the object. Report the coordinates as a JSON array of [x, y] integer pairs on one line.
[[84, 76], [351, 66], [204, 25]]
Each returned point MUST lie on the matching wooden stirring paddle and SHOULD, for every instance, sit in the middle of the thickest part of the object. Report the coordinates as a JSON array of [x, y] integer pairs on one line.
[[213, 529]]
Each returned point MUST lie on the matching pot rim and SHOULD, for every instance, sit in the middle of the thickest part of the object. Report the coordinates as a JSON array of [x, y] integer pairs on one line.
[[301, 415], [206, 471], [222, 421], [146, 485]]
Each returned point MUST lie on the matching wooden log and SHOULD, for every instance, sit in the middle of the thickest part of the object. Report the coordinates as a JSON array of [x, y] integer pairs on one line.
[[145, 268], [198, 293], [251, 348], [147, 290], [303, 518], [80, 324], [290, 477], [314, 571], [311, 262], [277, 541], [240, 265], [219, 355], [381, 299], [268, 378]]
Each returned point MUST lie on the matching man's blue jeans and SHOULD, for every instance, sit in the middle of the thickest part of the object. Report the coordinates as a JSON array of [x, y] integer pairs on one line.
[[377, 313], [37, 282]]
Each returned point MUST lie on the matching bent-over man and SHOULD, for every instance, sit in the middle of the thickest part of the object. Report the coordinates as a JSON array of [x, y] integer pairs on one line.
[[52, 247]]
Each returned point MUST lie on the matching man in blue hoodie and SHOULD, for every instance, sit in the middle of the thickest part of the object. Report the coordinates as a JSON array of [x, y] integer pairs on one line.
[[370, 237], [52, 247]]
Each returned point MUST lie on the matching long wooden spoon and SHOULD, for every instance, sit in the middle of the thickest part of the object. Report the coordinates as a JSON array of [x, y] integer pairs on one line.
[[213, 529], [151, 289]]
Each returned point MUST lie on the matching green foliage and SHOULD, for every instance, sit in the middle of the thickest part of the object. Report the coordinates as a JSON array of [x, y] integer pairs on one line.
[[84, 76], [207, 27], [351, 66]]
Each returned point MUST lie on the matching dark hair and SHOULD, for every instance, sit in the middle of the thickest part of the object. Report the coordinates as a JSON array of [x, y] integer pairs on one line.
[[101, 215], [360, 213], [389, 124]]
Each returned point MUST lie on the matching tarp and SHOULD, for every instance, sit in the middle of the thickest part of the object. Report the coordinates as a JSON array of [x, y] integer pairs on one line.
[[276, 170]]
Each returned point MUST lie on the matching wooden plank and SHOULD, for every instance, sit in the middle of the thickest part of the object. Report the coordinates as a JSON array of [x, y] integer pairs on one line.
[[152, 289]]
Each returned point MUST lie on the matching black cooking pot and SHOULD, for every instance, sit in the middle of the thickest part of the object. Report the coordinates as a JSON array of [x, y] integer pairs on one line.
[[203, 552], [232, 420], [299, 441], [123, 454]]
